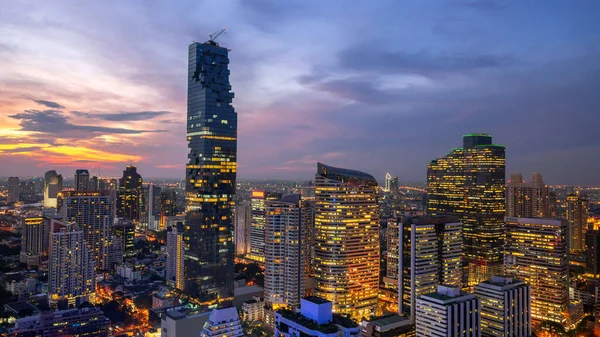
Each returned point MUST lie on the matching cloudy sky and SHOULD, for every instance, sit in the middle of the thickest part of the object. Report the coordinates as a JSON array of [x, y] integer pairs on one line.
[[371, 85]]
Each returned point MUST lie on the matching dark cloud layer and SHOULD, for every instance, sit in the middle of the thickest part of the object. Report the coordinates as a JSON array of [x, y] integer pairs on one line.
[[49, 104], [122, 116], [55, 122]]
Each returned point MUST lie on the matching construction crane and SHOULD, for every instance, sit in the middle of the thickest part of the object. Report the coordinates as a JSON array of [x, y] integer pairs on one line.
[[214, 36]]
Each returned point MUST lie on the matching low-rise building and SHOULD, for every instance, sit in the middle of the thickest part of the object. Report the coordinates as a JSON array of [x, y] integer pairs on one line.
[[89, 322], [182, 322], [254, 310], [387, 326], [314, 319]]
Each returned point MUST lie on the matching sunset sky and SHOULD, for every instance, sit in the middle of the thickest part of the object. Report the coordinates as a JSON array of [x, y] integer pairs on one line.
[[370, 85]]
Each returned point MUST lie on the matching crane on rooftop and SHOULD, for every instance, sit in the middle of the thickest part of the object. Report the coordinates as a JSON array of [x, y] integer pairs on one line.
[[214, 36]]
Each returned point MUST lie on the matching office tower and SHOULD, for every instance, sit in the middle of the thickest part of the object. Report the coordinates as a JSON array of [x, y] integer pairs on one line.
[[592, 240], [242, 228], [88, 322], [82, 180], [447, 313], [346, 240], [469, 182], [14, 189], [308, 238], [505, 307], [395, 184], [527, 200], [32, 243], [258, 201], [284, 269], [92, 211], [71, 276], [390, 280], [174, 272], [124, 230], [430, 254], [128, 196], [388, 182], [94, 184], [316, 318], [210, 173], [150, 206], [168, 201], [223, 322], [53, 184], [536, 252], [27, 191], [577, 212]]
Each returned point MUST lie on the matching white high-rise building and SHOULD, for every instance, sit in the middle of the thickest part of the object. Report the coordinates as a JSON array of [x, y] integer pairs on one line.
[[92, 211], [53, 185], [448, 313], [430, 251], [71, 275], [174, 272], [223, 322], [388, 182], [505, 307], [284, 270], [32, 244]]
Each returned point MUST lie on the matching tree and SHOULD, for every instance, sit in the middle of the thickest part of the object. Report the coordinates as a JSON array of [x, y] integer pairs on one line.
[[143, 301]]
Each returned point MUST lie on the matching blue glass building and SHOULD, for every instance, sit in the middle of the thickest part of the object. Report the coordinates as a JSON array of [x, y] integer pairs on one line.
[[210, 175]]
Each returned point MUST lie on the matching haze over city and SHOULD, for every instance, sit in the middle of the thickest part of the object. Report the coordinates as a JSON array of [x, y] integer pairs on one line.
[[377, 86]]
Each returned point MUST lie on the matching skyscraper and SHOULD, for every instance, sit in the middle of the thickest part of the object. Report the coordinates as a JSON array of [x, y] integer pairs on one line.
[[71, 276], [223, 322], [130, 190], [242, 228], [527, 200], [258, 202], [14, 189], [448, 312], [284, 269], [82, 180], [150, 206], [469, 182], [577, 213], [388, 182], [390, 280], [430, 255], [210, 174], [53, 184], [505, 307], [536, 252], [32, 244], [92, 212], [346, 240], [592, 241], [174, 272]]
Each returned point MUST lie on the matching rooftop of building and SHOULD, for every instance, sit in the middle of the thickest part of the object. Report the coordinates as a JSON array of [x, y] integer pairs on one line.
[[218, 316], [20, 307], [307, 322], [344, 175], [502, 282], [389, 320], [316, 300], [446, 295]]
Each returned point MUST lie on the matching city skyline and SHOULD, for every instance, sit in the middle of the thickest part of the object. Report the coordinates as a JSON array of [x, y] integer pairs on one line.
[[106, 99]]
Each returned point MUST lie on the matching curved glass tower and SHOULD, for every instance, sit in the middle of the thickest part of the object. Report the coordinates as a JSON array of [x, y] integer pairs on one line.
[[347, 240], [210, 176]]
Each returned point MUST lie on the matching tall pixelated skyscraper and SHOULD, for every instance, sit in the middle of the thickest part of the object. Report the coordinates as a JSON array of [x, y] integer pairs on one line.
[[527, 200], [469, 182], [258, 201], [577, 217], [53, 185], [210, 174], [14, 189], [82, 180], [347, 240], [129, 194]]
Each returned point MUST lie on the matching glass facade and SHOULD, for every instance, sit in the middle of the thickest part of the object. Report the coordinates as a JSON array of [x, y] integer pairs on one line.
[[469, 182], [210, 176], [347, 240]]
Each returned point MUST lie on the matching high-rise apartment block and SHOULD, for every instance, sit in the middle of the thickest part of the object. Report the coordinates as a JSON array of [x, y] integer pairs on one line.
[[242, 228], [71, 275], [390, 280], [527, 200], [448, 313], [175, 251], [469, 182], [346, 240], [150, 206], [284, 269], [592, 240], [258, 202], [577, 216], [32, 243], [92, 211], [124, 231], [430, 251], [505, 307], [210, 174], [129, 194], [53, 185], [14, 189], [82, 180], [536, 253]]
